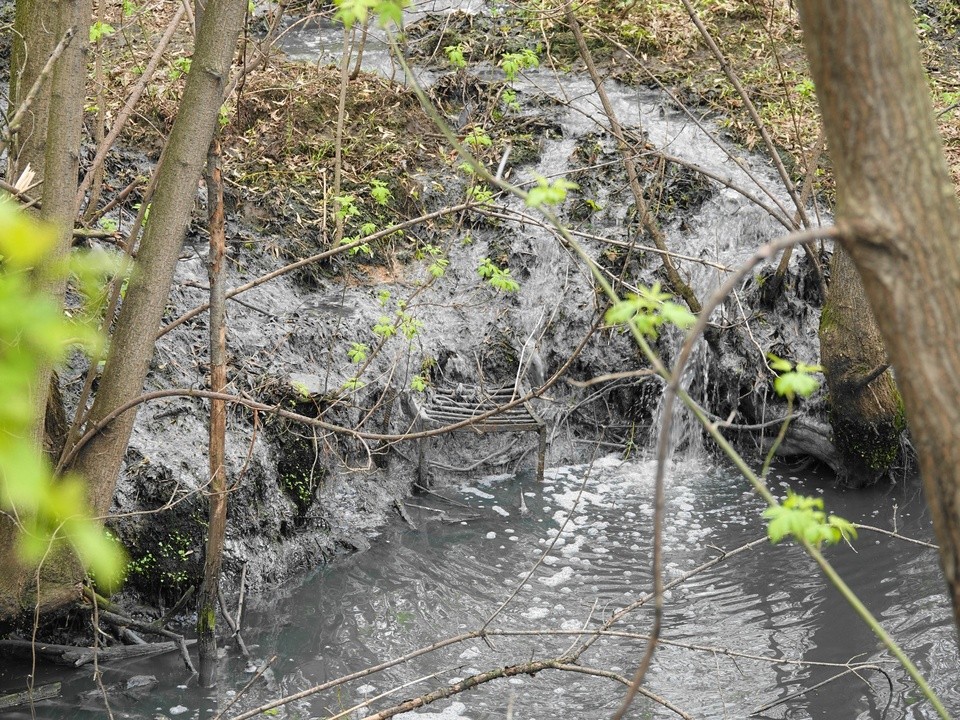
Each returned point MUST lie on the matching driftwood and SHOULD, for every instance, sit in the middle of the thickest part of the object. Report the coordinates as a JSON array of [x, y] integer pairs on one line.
[[75, 656], [44, 692]]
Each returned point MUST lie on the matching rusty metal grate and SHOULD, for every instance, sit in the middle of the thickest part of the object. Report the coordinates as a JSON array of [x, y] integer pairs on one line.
[[453, 405]]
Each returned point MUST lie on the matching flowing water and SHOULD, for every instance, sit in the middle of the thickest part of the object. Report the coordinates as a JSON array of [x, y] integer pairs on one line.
[[417, 586]]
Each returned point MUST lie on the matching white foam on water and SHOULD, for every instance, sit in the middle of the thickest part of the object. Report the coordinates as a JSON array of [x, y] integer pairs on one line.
[[476, 491], [453, 712], [565, 575], [535, 613]]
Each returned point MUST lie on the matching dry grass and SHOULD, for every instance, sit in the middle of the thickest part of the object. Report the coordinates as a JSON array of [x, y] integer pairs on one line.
[[762, 43], [281, 131]]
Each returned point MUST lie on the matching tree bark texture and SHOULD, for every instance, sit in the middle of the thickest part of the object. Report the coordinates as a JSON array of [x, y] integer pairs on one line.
[[901, 223], [60, 152], [866, 417], [217, 525], [35, 35], [133, 341]]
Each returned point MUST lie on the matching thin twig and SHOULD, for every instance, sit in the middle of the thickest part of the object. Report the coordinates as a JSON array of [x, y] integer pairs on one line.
[[260, 671], [128, 107], [326, 254]]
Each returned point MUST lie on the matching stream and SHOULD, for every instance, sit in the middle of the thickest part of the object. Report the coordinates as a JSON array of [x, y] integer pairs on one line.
[[471, 550], [417, 586]]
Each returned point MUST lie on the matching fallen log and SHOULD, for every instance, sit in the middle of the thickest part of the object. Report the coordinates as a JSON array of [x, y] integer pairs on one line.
[[75, 656], [44, 692]]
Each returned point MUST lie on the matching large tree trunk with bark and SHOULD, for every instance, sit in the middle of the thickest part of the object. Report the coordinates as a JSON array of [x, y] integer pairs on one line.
[[866, 412], [901, 224], [183, 159]]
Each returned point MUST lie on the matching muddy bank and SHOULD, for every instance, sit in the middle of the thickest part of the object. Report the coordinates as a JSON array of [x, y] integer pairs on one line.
[[366, 339]]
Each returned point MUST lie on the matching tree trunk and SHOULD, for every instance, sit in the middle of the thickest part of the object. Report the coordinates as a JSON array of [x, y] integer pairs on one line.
[[866, 411], [34, 37], [217, 525], [133, 342], [60, 152], [900, 221]]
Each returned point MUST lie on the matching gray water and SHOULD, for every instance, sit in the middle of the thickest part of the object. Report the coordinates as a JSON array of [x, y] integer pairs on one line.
[[414, 587]]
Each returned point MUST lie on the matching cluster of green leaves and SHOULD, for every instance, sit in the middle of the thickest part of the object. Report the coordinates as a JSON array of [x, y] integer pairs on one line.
[[299, 486], [380, 192], [301, 389], [455, 54], [509, 98], [480, 194], [419, 382], [498, 277], [347, 207], [402, 322], [179, 68], [793, 380], [803, 517], [34, 331], [515, 63], [353, 384], [438, 263], [358, 352], [100, 30], [350, 12], [478, 138], [649, 310], [546, 193]]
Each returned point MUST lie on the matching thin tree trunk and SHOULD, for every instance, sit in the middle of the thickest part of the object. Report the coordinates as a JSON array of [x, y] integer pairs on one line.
[[900, 222], [207, 597], [62, 158], [133, 341]]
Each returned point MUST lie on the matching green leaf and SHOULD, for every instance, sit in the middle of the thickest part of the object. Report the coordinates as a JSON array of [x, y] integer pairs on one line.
[[778, 364], [390, 11], [23, 242], [846, 528], [677, 315], [795, 384], [350, 12], [455, 55], [621, 312], [102, 555], [380, 192], [478, 137], [100, 30], [549, 193], [358, 352]]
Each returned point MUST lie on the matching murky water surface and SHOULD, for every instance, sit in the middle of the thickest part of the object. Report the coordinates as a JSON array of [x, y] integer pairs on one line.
[[415, 587]]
